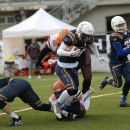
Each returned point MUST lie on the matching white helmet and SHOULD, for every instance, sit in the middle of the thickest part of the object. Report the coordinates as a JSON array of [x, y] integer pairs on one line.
[[116, 21], [85, 28]]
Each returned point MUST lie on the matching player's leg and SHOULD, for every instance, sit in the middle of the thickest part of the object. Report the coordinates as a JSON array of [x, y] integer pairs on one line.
[[116, 70], [70, 82], [30, 97], [86, 98], [126, 87], [87, 73], [7, 93]]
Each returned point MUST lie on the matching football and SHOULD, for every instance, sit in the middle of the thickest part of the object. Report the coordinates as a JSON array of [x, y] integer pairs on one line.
[[69, 48]]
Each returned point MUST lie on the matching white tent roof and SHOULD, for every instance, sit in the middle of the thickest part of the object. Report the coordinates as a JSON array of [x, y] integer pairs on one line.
[[38, 25]]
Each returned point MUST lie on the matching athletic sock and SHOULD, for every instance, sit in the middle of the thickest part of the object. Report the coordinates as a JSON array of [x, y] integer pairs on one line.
[[63, 96], [13, 115], [64, 113]]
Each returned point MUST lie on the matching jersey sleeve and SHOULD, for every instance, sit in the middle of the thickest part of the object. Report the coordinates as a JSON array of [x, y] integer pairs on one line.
[[115, 38], [67, 40]]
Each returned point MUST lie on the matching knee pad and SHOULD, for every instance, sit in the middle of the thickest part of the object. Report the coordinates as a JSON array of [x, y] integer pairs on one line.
[[2, 104], [72, 91]]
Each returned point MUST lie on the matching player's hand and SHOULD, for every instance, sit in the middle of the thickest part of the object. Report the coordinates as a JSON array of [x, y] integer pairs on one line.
[[50, 61], [37, 70], [74, 53], [63, 106], [101, 59]]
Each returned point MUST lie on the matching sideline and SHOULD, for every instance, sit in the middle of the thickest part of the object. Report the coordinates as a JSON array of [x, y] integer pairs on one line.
[[91, 97]]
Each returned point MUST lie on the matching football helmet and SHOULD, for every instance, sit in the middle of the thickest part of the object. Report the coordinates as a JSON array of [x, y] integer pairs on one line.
[[85, 29], [58, 88], [118, 24], [61, 34]]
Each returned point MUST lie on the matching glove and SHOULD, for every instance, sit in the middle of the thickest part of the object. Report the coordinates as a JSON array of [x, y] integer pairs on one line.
[[102, 59], [50, 61], [37, 70], [74, 53], [63, 106], [71, 116]]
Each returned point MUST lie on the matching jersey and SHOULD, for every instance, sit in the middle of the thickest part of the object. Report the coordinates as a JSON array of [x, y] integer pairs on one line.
[[123, 39], [69, 101], [4, 82], [52, 43], [72, 39]]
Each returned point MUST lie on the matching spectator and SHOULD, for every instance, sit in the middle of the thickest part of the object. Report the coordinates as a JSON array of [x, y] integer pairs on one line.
[[33, 51]]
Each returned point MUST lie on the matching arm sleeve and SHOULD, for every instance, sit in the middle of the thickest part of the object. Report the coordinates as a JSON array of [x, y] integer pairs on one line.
[[94, 49], [61, 50], [42, 54], [119, 49], [75, 108], [81, 61]]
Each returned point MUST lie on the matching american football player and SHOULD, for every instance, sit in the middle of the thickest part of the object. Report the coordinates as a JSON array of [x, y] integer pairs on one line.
[[52, 45], [74, 106], [11, 88], [67, 63], [118, 60]]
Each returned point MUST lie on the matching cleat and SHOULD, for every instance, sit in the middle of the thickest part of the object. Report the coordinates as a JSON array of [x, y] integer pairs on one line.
[[104, 82], [56, 109], [124, 104], [90, 91], [15, 122]]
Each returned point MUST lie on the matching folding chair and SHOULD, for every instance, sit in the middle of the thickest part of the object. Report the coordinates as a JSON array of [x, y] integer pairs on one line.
[[9, 68]]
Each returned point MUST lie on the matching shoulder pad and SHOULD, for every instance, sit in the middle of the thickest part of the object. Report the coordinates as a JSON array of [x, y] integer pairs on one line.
[[67, 40], [52, 99], [116, 37]]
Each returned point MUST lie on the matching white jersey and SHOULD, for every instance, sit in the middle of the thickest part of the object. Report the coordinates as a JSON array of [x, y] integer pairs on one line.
[[52, 43], [69, 100]]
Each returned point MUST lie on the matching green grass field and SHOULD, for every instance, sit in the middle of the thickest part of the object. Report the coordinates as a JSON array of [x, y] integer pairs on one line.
[[103, 114]]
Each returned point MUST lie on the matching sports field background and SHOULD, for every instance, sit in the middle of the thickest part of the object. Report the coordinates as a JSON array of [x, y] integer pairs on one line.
[[104, 112]]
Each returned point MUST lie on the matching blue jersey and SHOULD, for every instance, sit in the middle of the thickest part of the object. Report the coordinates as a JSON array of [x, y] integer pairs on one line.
[[122, 39], [72, 39]]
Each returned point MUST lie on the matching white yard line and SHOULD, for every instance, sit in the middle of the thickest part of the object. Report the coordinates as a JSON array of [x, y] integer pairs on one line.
[[105, 95], [91, 97]]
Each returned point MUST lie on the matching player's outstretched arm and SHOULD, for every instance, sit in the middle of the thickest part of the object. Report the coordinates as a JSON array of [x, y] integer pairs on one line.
[[96, 52]]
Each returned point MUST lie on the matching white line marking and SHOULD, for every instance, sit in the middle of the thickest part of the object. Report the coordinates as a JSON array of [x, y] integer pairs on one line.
[[91, 97], [18, 110], [105, 95]]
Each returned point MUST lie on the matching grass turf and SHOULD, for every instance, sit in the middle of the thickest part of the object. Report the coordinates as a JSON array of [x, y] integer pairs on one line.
[[103, 114]]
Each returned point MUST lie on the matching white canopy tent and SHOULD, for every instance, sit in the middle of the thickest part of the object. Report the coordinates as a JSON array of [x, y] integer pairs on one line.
[[38, 25]]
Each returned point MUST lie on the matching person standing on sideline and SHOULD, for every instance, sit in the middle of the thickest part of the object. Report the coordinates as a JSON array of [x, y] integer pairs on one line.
[[33, 51]]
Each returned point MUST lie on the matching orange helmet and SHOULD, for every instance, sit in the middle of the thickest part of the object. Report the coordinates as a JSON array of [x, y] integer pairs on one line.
[[58, 87], [61, 35]]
